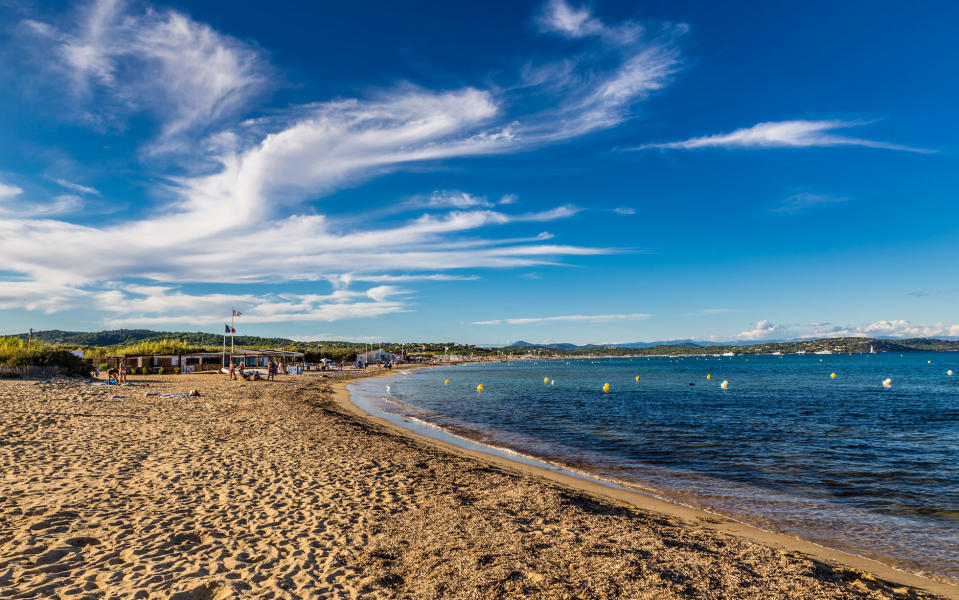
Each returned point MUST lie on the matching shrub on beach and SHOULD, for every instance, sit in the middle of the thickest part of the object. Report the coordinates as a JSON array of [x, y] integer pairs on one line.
[[14, 352]]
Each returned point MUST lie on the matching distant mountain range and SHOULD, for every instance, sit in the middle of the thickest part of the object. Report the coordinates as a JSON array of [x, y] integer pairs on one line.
[[838, 345], [567, 346], [707, 344], [123, 337]]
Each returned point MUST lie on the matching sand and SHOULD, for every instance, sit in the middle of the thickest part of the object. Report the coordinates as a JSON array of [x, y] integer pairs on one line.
[[281, 490]]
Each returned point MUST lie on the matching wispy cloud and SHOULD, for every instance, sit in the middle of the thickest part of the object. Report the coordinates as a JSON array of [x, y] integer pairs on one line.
[[60, 205], [783, 134], [196, 83], [716, 311], [561, 18], [625, 210], [455, 199], [566, 318], [120, 61], [154, 305], [348, 278], [76, 187], [8, 191], [804, 201]]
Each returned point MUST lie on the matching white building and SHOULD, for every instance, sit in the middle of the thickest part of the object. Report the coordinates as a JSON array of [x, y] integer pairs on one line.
[[374, 357]]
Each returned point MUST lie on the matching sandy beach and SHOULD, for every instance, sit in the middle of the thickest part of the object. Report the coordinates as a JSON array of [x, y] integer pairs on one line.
[[284, 490]]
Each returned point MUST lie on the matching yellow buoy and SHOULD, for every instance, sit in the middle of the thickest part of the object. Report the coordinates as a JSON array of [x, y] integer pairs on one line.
[[832, 375], [949, 372], [928, 362], [820, 360], [446, 382], [479, 388], [637, 378], [545, 379], [709, 376], [606, 387]]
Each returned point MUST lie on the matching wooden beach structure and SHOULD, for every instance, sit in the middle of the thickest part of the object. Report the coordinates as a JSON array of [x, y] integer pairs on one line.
[[200, 362]]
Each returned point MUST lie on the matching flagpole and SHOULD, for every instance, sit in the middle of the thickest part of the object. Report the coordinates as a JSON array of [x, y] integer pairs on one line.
[[224, 348], [232, 332]]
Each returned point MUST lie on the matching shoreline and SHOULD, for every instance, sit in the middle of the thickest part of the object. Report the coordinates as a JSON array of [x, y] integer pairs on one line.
[[285, 490], [689, 515]]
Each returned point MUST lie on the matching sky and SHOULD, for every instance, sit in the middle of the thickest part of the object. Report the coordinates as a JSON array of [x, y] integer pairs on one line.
[[545, 171]]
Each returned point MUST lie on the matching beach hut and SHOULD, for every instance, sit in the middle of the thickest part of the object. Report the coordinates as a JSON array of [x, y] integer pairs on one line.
[[199, 362]]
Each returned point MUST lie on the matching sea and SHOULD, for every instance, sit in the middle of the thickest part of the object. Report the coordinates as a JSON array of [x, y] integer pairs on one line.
[[844, 461]]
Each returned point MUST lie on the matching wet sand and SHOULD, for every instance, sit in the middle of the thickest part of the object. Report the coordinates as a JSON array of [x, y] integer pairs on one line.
[[285, 490]]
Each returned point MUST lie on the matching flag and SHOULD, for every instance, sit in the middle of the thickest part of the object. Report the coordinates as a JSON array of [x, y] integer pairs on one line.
[[228, 329], [237, 313]]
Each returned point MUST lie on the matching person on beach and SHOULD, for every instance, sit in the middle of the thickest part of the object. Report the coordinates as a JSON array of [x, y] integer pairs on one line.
[[232, 370], [241, 368], [113, 376], [123, 371], [279, 367], [96, 369]]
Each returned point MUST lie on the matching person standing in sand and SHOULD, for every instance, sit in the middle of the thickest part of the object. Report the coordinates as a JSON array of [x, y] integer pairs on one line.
[[123, 371], [241, 368], [270, 370], [232, 370]]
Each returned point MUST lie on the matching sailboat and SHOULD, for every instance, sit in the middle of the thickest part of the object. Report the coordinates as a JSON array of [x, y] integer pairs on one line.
[[871, 349]]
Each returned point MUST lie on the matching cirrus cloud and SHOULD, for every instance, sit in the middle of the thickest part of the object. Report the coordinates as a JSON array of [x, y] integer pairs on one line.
[[782, 134], [566, 318]]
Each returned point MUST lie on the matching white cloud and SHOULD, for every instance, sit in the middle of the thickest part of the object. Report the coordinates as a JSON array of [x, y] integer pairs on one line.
[[76, 187], [151, 306], [61, 205], [782, 134], [897, 328], [762, 330], [508, 199], [8, 191], [46, 296], [566, 318], [804, 201], [625, 210], [447, 199], [717, 311], [253, 217], [121, 61], [560, 18]]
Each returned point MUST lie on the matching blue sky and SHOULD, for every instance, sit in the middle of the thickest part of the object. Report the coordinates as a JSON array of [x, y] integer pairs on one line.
[[546, 171]]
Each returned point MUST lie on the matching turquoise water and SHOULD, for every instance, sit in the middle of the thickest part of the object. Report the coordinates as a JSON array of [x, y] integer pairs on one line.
[[845, 462]]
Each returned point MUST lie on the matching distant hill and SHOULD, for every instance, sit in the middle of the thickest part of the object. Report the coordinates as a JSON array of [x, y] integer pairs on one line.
[[568, 346], [838, 345], [125, 337], [121, 337]]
